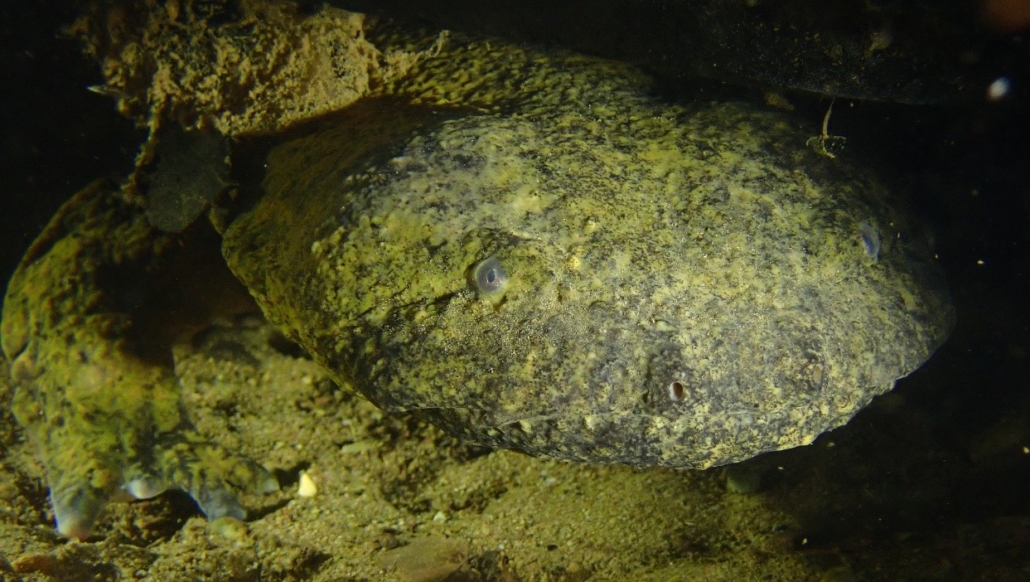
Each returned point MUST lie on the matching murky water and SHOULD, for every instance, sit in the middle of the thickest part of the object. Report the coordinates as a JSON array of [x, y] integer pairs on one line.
[[927, 483]]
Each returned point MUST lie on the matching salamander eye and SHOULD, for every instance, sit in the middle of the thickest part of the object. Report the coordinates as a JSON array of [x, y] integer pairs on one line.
[[870, 240], [490, 276]]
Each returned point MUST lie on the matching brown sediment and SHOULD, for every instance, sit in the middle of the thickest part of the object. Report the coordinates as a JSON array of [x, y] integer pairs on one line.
[[246, 68]]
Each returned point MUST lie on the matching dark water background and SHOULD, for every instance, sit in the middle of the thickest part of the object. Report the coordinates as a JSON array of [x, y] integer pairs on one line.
[[937, 466]]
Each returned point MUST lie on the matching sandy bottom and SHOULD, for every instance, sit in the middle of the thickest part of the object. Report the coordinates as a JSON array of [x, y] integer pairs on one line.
[[398, 499]]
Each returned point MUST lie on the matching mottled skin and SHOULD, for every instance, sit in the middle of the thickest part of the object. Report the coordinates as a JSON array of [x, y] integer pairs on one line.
[[685, 287], [88, 324]]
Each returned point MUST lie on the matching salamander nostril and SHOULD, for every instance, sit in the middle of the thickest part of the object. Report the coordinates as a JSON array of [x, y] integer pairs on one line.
[[677, 391]]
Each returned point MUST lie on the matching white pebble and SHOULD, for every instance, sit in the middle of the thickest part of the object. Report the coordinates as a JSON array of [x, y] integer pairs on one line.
[[999, 89], [307, 487]]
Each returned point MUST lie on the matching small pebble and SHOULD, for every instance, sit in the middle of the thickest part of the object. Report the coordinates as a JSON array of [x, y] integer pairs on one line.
[[427, 559], [999, 89], [229, 529], [306, 486]]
